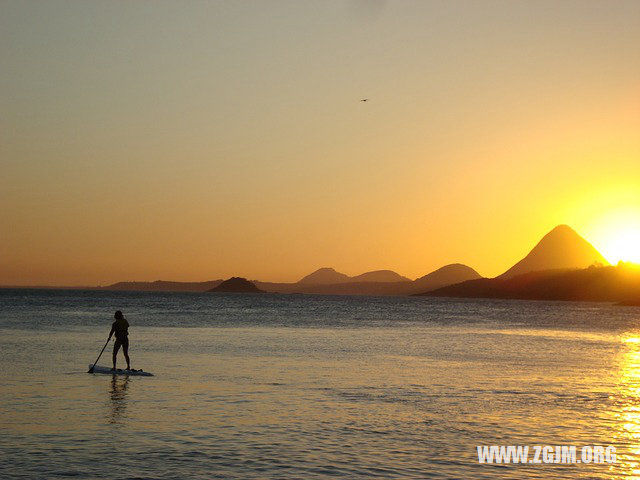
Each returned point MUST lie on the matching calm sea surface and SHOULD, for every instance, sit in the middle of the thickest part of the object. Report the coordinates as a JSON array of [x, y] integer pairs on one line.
[[303, 387]]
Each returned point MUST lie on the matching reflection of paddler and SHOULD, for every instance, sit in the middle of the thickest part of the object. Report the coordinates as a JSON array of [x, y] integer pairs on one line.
[[118, 396], [118, 387], [121, 330]]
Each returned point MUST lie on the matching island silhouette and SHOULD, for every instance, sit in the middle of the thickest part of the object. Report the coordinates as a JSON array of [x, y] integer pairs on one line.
[[236, 285]]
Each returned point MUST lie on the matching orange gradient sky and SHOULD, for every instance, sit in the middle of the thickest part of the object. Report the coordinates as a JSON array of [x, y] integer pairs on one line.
[[192, 141]]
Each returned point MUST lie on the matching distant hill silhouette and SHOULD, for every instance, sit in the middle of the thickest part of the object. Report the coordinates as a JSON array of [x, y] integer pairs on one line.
[[324, 276], [352, 286], [561, 248], [163, 286], [447, 275], [236, 285], [605, 284], [378, 282], [379, 276], [329, 276]]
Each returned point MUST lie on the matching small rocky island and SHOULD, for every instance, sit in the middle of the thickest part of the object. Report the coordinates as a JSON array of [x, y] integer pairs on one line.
[[236, 285]]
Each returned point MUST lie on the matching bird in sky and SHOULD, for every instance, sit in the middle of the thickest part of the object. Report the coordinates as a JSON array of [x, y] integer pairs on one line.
[[364, 100]]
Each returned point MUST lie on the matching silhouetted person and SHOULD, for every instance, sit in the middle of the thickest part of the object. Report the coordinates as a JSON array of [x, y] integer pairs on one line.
[[121, 329]]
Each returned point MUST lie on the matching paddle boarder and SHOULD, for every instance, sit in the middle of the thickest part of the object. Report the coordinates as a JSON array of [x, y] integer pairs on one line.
[[121, 330]]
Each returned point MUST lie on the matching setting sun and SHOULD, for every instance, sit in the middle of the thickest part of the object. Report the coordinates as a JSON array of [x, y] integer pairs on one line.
[[620, 238]]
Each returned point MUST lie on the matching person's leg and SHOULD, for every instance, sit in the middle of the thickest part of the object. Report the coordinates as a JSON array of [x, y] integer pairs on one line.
[[116, 347], [125, 350]]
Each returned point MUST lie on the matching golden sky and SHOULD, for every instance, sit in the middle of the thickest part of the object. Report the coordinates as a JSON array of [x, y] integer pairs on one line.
[[162, 140]]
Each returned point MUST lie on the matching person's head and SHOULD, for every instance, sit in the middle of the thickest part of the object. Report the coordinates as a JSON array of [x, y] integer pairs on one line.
[[118, 315]]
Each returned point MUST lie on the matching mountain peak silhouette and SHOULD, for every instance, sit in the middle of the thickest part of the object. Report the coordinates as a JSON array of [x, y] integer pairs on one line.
[[447, 275], [328, 276], [379, 276], [325, 276], [561, 248]]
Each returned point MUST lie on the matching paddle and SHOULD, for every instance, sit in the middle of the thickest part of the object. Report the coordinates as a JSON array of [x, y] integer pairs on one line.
[[94, 365]]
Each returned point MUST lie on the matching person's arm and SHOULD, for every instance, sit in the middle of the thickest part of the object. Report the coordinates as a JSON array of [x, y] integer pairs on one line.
[[113, 329]]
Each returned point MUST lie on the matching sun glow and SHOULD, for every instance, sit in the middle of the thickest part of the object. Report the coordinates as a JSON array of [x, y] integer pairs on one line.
[[619, 237]]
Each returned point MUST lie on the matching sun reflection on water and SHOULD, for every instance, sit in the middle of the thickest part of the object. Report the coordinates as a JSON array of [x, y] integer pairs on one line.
[[626, 410]]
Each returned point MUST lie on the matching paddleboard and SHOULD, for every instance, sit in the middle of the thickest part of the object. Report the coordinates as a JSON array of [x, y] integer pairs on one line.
[[119, 371]]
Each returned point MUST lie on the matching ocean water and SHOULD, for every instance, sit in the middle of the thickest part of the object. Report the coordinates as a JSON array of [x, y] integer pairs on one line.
[[303, 387]]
